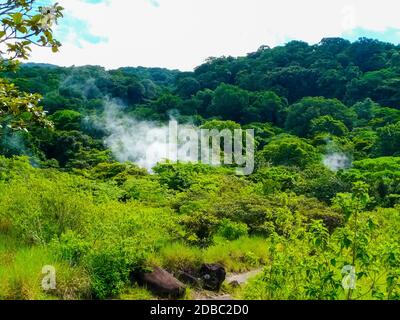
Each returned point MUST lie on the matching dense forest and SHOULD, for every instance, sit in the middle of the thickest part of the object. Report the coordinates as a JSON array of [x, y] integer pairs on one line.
[[325, 193]]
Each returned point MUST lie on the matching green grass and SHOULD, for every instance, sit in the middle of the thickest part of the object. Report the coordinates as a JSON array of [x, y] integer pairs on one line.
[[137, 293], [240, 255], [21, 274], [179, 256]]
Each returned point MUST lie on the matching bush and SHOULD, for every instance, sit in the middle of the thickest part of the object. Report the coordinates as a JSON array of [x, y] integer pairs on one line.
[[200, 228], [275, 179], [123, 239], [146, 190], [289, 151], [40, 209], [109, 272], [232, 230], [70, 247]]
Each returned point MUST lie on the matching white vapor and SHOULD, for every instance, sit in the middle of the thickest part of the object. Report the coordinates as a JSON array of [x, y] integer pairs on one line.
[[142, 142], [337, 161], [148, 143]]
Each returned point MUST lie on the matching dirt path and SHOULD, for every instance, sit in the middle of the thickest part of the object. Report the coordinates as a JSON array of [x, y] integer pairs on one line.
[[240, 278]]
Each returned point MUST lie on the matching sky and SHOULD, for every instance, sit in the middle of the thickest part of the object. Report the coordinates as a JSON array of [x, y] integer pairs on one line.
[[182, 34]]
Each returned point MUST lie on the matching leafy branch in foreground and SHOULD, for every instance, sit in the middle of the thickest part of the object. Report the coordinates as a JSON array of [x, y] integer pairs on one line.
[[23, 25], [20, 109]]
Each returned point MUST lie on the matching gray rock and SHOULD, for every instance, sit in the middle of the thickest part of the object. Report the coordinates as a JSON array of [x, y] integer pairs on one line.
[[187, 278], [162, 283]]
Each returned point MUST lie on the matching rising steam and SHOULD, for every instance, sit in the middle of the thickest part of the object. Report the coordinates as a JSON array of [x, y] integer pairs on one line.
[[335, 159], [142, 142]]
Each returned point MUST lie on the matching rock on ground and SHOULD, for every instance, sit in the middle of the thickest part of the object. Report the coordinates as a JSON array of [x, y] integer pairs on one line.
[[162, 283], [212, 276]]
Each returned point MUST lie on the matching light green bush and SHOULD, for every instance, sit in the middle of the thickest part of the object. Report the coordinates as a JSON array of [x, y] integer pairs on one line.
[[232, 230]]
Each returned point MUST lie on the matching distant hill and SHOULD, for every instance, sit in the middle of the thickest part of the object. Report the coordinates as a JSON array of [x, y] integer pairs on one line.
[[334, 68]]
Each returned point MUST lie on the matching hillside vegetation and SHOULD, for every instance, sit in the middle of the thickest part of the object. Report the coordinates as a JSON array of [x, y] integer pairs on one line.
[[325, 193]]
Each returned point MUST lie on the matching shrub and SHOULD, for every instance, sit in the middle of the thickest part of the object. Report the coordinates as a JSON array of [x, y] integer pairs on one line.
[[123, 238], [70, 247], [200, 228], [289, 151], [109, 272], [232, 230], [40, 209], [146, 190]]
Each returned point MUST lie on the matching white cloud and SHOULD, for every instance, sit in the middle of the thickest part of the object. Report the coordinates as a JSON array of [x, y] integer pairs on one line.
[[183, 33]]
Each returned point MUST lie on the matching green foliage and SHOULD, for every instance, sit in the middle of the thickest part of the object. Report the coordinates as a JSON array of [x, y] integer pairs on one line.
[[266, 107], [67, 120], [327, 124], [119, 172], [180, 257], [109, 272], [229, 102], [379, 85], [18, 109], [243, 254], [146, 190], [382, 177], [24, 26], [320, 182], [388, 141], [167, 103], [200, 228], [21, 274], [301, 114], [179, 176], [100, 222], [109, 240], [71, 148], [263, 132], [221, 125], [364, 142], [231, 230], [70, 247], [289, 151], [311, 269], [277, 178], [186, 87], [37, 217]]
